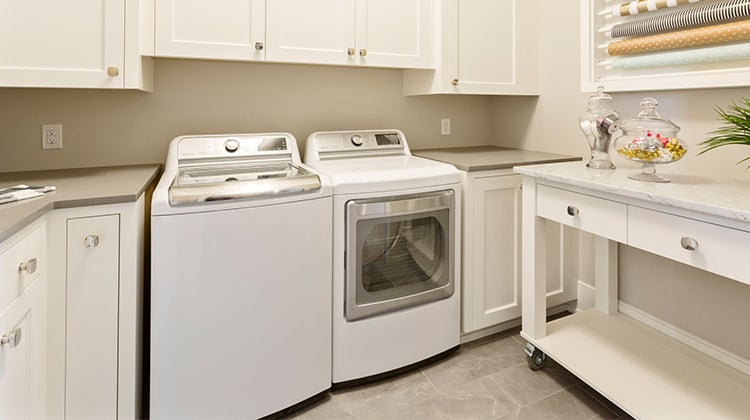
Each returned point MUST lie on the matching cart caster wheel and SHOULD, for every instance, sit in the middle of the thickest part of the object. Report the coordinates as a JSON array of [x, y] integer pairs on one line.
[[535, 357]]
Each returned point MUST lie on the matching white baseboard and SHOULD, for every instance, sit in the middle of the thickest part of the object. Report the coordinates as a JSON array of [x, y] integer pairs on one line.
[[586, 296], [728, 358], [513, 323]]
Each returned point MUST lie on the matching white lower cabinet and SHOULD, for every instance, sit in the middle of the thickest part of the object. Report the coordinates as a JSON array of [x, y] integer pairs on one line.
[[91, 341], [491, 259], [23, 324], [22, 328], [95, 304]]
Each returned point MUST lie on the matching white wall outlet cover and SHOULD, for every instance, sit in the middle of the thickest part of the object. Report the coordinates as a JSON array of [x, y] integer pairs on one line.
[[52, 136], [445, 126]]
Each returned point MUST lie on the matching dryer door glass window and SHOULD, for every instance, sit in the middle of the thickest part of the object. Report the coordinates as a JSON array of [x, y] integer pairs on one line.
[[398, 258]]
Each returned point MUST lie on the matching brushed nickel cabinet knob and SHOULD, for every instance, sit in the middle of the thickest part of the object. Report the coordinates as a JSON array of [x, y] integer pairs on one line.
[[12, 339], [29, 266], [259, 46], [350, 51], [363, 52], [454, 82]]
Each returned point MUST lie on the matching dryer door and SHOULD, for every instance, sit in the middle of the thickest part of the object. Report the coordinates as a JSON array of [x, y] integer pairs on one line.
[[399, 252]]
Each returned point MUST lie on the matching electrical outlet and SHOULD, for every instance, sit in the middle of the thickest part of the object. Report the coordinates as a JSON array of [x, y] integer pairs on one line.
[[445, 126], [52, 136]]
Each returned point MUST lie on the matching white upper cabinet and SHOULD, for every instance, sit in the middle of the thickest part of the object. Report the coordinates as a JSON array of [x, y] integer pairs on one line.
[[483, 47], [393, 33], [305, 31], [218, 29], [381, 33], [75, 43]]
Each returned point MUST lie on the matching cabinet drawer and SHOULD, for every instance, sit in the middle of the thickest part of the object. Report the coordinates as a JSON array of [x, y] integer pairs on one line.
[[717, 249], [20, 264], [595, 215]]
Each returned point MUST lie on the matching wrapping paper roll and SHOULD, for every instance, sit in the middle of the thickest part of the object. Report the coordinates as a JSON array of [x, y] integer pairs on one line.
[[701, 15], [676, 58], [643, 6], [708, 35]]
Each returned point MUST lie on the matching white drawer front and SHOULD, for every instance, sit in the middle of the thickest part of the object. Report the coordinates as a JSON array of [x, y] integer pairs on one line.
[[20, 264], [718, 249], [595, 215]]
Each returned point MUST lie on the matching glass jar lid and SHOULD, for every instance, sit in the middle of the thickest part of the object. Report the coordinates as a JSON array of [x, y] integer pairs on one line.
[[649, 123]]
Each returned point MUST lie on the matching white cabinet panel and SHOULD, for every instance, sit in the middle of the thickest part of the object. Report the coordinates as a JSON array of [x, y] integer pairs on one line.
[[491, 252], [22, 363], [303, 31], [220, 29], [21, 262], [393, 33], [491, 263], [76, 43], [93, 246], [483, 47], [486, 43]]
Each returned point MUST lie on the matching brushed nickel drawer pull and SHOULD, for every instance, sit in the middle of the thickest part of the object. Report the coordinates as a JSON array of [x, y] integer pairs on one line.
[[688, 243], [573, 211], [13, 338], [29, 266]]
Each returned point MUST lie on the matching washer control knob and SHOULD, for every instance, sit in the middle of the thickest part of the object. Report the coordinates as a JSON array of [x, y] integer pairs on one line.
[[231, 145], [357, 140]]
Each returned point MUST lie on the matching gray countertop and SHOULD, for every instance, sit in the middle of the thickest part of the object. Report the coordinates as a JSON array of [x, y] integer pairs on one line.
[[74, 188], [485, 158]]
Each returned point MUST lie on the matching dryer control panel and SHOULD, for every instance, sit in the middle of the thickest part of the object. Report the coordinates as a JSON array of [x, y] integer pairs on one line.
[[330, 145]]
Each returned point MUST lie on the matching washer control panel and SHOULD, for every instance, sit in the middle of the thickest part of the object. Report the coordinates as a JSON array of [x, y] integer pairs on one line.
[[241, 145]]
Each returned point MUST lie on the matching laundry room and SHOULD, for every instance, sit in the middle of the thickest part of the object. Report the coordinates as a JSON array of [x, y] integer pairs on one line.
[[410, 168]]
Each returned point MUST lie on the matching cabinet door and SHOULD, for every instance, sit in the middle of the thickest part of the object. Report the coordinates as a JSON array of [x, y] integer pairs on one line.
[[93, 245], [316, 32], [22, 363], [75, 43], [497, 46], [218, 29], [492, 273], [393, 33]]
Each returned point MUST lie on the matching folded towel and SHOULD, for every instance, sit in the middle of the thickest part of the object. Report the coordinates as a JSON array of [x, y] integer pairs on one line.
[[22, 192]]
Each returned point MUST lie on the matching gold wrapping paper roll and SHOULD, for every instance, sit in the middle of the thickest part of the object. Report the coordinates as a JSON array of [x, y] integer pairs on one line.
[[698, 37]]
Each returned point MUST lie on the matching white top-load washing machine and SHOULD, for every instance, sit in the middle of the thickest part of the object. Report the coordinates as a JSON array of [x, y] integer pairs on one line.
[[240, 279], [396, 221]]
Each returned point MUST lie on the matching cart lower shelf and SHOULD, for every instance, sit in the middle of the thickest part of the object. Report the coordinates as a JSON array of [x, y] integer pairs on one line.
[[644, 372]]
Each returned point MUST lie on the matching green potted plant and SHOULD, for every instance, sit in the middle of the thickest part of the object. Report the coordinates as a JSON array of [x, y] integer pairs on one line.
[[736, 128]]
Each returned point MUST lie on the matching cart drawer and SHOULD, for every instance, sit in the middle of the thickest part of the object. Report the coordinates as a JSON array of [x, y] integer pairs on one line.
[[595, 215], [713, 248]]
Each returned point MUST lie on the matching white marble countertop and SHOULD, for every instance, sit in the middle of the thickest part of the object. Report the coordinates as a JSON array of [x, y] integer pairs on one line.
[[724, 197]]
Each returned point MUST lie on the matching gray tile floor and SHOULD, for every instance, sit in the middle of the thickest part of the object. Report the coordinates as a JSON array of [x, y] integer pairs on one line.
[[486, 379]]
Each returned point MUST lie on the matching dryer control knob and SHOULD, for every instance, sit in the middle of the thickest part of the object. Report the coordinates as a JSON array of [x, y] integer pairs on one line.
[[231, 145], [357, 140]]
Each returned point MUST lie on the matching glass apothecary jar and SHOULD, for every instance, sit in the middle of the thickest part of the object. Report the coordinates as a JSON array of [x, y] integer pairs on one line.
[[650, 139]]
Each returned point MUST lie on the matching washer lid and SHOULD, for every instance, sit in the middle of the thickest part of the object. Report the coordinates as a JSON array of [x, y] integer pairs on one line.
[[197, 185]]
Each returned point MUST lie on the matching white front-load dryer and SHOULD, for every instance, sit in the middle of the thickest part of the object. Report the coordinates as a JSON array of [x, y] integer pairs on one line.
[[240, 279], [396, 255]]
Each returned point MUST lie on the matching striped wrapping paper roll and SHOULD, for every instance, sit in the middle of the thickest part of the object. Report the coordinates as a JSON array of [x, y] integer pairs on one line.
[[701, 15], [642, 6], [676, 58], [708, 35]]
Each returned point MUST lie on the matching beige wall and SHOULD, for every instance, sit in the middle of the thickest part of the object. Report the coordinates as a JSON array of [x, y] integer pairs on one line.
[[192, 97], [709, 306]]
